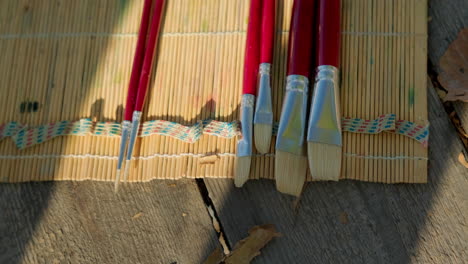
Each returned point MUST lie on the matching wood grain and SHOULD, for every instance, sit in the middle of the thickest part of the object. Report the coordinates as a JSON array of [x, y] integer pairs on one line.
[[355, 222], [65, 222]]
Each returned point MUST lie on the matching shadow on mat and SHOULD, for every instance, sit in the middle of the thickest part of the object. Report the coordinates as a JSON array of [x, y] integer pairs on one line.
[[22, 206], [50, 222], [358, 222], [351, 221]]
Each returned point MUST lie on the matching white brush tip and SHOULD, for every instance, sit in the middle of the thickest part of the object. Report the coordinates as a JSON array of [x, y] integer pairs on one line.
[[117, 180], [262, 135], [242, 171], [324, 161], [290, 172], [127, 170]]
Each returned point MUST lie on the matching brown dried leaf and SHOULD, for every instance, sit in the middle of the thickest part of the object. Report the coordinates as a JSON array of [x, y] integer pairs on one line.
[[462, 160], [454, 66], [458, 125], [441, 93], [248, 248], [344, 218], [216, 257]]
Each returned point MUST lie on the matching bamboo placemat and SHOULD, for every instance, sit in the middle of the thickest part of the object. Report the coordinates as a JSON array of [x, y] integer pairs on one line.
[[68, 60]]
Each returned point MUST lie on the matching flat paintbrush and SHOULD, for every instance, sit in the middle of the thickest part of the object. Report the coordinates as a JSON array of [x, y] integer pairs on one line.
[[133, 85], [251, 62], [263, 117], [290, 159], [144, 79], [324, 138]]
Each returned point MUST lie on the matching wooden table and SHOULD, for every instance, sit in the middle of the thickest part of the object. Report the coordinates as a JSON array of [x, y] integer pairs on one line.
[[168, 222]]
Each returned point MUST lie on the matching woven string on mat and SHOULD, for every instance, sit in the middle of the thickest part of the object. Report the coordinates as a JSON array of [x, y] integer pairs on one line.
[[25, 136]]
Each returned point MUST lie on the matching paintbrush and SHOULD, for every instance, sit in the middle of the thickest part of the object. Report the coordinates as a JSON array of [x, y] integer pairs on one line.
[[263, 117], [133, 85], [324, 138], [144, 79], [251, 62], [290, 159]]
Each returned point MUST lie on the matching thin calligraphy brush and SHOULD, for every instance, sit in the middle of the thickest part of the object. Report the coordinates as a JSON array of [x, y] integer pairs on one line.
[[133, 86], [290, 158], [263, 118], [249, 88], [144, 79], [324, 139]]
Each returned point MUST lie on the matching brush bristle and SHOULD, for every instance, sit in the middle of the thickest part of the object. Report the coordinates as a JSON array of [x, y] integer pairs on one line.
[[127, 170], [117, 181], [324, 161], [262, 134], [242, 170], [290, 172]]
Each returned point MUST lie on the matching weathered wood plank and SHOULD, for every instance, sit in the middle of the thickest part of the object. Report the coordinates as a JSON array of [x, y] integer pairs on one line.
[[356, 222], [84, 222]]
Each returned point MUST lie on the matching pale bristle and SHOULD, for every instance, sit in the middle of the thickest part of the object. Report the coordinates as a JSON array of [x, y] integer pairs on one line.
[[242, 170], [127, 170], [117, 181], [324, 161], [290, 172], [262, 134]]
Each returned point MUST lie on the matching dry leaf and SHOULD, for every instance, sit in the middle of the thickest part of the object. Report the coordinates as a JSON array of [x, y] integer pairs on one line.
[[248, 248], [216, 257], [441, 93], [454, 66], [460, 130], [344, 218], [208, 159], [462, 160]]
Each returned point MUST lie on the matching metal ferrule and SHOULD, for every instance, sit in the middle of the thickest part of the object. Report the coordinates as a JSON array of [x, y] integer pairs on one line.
[[263, 108], [325, 116], [292, 125], [126, 126], [244, 145], [135, 126]]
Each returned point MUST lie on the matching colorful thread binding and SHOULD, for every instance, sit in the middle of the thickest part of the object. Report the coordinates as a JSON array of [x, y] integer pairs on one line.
[[24, 136]]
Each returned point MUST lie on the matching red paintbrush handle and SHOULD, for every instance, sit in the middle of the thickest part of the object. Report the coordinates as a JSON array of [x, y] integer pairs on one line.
[[252, 48], [149, 56], [300, 38], [138, 61], [329, 33], [268, 31]]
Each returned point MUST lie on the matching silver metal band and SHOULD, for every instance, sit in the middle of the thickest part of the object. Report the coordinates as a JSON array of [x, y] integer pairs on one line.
[[292, 126], [136, 118], [244, 145], [263, 107], [325, 116], [247, 100], [297, 83], [126, 126]]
